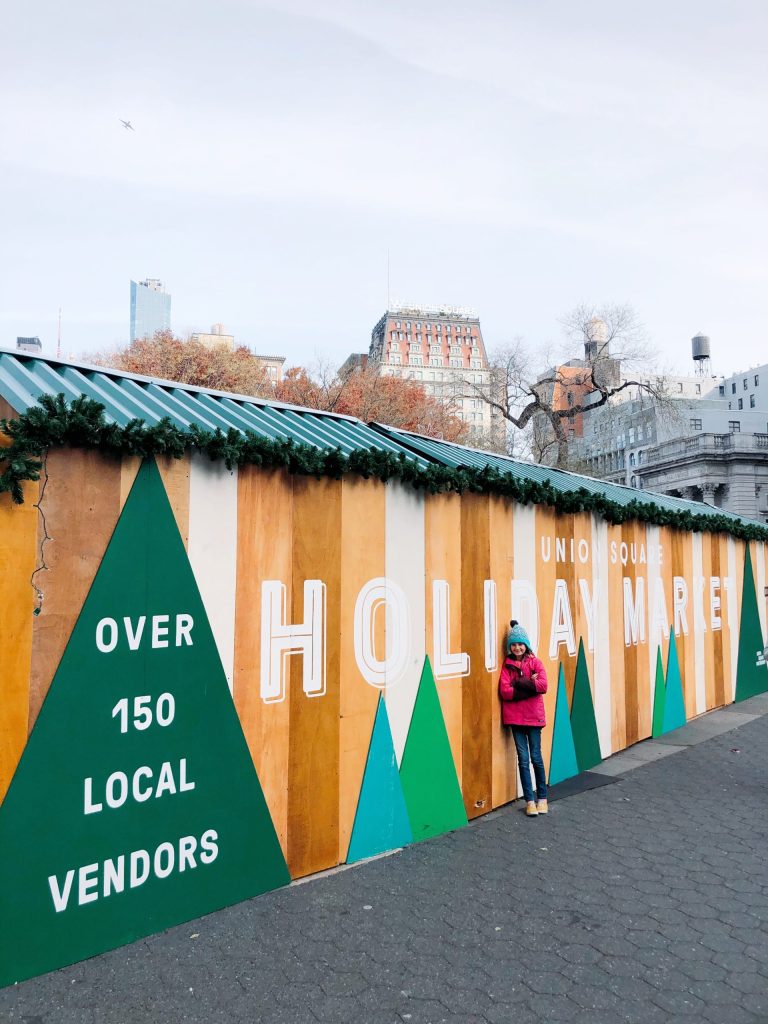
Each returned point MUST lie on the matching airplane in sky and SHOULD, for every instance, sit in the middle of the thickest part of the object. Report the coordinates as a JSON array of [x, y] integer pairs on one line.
[[127, 124]]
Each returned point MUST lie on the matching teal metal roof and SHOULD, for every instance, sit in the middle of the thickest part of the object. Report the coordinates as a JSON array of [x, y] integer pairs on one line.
[[456, 455], [126, 396]]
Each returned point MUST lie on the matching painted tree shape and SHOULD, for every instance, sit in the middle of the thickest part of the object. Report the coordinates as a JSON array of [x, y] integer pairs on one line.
[[583, 723], [563, 763], [135, 805], [674, 702], [430, 785], [751, 670], [659, 697], [381, 820]]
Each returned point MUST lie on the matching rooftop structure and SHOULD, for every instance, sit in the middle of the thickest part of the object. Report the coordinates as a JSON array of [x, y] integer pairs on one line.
[[442, 348]]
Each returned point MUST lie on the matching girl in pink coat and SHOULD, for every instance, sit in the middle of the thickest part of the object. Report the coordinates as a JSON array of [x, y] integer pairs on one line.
[[522, 682]]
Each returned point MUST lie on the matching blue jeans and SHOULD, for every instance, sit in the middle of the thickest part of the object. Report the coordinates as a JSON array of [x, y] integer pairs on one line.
[[528, 737]]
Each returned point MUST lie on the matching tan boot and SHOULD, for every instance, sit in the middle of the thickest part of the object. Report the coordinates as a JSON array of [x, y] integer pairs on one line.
[[530, 809], [542, 807]]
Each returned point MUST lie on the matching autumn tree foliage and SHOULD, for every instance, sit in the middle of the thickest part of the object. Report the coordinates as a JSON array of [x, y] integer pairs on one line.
[[364, 393], [190, 362]]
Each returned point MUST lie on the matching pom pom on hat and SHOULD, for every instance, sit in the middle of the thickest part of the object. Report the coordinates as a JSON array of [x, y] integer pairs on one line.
[[518, 635]]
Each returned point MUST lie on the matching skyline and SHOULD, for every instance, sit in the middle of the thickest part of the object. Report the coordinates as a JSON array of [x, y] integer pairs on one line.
[[516, 161]]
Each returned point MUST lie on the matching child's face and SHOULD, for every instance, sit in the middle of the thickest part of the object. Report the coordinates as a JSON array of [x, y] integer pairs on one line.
[[517, 650]]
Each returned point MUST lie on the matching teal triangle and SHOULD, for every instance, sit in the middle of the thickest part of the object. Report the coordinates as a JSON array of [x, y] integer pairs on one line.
[[135, 805], [563, 764], [751, 671], [659, 697], [430, 784], [583, 722], [674, 704], [381, 820]]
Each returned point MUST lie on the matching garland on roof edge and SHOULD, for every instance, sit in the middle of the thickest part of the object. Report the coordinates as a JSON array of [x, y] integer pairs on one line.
[[53, 423]]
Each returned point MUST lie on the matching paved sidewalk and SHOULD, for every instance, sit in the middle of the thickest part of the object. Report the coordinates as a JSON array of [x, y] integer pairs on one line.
[[645, 900]]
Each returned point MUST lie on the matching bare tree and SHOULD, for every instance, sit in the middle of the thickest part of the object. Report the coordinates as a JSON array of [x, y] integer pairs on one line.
[[606, 353]]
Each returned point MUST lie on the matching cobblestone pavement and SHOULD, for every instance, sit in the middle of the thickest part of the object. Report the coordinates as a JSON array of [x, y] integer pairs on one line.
[[643, 901]]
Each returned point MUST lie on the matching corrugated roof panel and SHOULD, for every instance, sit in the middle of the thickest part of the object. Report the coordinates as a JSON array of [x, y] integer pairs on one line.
[[454, 455], [150, 407], [125, 396]]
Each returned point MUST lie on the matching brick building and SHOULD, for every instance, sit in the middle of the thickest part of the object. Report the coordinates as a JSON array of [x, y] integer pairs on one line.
[[442, 348]]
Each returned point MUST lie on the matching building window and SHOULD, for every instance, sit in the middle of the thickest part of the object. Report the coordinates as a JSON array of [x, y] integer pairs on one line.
[[456, 362], [680, 387], [695, 424], [734, 426], [397, 325], [569, 398], [571, 433], [476, 364], [698, 389], [721, 389], [733, 388], [751, 401], [394, 347], [631, 458], [757, 379], [438, 328], [407, 325], [396, 360], [745, 384], [741, 403], [416, 361]]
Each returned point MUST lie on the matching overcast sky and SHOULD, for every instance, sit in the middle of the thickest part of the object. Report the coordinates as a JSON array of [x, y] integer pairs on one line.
[[517, 158]]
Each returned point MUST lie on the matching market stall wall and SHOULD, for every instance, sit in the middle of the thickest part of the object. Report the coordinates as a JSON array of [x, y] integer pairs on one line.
[[399, 576]]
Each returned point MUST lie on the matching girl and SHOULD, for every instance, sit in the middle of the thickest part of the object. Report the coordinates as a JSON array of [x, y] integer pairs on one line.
[[522, 682]]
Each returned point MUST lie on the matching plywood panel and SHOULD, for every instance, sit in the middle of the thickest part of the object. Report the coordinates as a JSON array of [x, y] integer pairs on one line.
[[548, 528], [81, 505], [313, 763], [406, 566], [362, 559], [617, 641], [18, 553], [502, 565], [264, 552], [479, 703], [213, 549], [602, 654], [443, 562]]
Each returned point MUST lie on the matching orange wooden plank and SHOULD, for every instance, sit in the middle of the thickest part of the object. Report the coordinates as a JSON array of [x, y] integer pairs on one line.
[[479, 703], [264, 552], [501, 543], [313, 762], [81, 506], [18, 553]]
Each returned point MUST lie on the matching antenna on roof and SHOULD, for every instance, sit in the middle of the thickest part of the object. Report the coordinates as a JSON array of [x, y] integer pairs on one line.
[[58, 342], [387, 278]]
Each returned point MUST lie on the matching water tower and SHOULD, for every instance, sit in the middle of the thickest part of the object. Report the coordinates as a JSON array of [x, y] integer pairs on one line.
[[700, 350]]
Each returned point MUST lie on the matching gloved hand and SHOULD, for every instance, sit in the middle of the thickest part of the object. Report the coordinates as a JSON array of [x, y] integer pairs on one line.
[[523, 688]]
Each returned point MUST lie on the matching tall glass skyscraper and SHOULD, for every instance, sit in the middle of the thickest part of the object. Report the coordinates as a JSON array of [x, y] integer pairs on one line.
[[150, 308]]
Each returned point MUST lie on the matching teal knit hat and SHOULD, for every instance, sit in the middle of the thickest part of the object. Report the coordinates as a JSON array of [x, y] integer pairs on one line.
[[518, 635]]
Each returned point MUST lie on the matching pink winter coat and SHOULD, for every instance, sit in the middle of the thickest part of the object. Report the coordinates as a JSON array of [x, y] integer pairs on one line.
[[517, 707]]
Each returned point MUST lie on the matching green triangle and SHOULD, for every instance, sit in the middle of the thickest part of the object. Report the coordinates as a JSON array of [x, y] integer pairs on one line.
[[427, 772], [563, 764], [659, 697], [583, 723], [674, 702], [751, 671], [194, 825]]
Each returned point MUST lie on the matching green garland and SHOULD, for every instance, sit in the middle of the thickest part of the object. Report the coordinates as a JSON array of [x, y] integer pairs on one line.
[[53, 423]]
